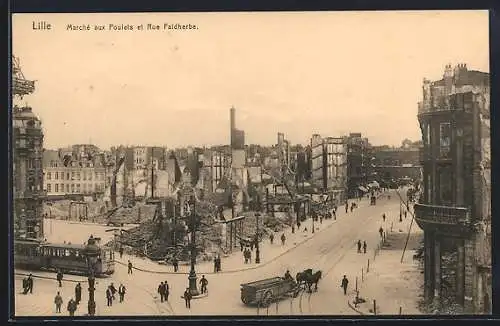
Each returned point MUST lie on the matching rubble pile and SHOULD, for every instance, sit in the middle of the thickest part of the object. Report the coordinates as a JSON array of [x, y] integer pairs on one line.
[[133, 215], [267, 224]]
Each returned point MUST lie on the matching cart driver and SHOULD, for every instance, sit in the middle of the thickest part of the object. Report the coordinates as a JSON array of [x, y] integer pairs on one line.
[[288, 276]]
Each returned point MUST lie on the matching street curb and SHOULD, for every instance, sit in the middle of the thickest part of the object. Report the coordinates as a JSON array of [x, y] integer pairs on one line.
[[356, 310]]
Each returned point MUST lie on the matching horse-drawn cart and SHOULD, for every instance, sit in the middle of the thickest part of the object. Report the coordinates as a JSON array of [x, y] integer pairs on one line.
[[265, 291]]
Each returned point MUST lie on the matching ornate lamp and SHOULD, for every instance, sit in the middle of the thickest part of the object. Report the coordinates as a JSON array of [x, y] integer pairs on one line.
[[91, 253]]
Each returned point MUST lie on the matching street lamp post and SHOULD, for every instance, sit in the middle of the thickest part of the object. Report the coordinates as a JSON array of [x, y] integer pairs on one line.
[[313, 216], [91, 252], [192, 273], [257, 215]]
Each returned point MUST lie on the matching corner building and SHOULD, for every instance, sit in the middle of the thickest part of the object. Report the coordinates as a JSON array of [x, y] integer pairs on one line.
[[455, 207]]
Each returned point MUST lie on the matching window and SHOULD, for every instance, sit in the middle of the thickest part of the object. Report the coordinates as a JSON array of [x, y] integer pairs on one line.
[[67, 188], [49, 175], [56, 186], [62, 175], [78, 188], [72, 175], [78, 176], [49, 187], [84, 175], [444, 139], [67, 176], [72, 188], [445, 176], [56, 175]]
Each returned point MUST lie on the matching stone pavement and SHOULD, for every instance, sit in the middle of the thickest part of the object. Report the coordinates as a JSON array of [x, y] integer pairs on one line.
[[394, 285]]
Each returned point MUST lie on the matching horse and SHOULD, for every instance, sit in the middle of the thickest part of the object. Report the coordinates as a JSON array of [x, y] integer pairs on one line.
[[313, 279], [303, 276]]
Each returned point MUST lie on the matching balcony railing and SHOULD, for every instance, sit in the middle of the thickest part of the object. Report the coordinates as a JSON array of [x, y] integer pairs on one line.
[[442, 214]]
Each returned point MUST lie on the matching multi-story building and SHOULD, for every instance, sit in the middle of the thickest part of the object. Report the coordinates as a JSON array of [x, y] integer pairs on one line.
[[390, 163], [358, 162], [455, 207], [27, 186], [72, 176], [27, 172], [329, 165]]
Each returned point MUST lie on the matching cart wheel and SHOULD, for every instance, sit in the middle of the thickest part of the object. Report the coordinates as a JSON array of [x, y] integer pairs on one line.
[[266, 300], [244, 299], [296, 292]]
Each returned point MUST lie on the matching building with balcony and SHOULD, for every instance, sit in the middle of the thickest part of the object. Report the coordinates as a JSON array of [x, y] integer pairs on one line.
[[27, 186], [455, 206]]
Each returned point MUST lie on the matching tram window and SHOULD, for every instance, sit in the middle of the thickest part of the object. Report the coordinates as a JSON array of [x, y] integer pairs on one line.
[[67, 252]]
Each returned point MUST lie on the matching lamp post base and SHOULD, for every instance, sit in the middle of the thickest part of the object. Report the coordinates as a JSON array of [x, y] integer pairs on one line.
[[192, 283], [91, 308], [257, 256]]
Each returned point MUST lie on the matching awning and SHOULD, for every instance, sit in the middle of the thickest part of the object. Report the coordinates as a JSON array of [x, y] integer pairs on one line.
[[363, 189]]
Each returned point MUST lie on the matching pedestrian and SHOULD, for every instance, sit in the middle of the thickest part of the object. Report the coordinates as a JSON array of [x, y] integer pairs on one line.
[[121, 252], [271, 237], [245, 255], [383, 217], [346, 206], [161, 291], [71, 307], [359, 246], [400, 217], [109, 297], [344, 284], [204, 284], [381, 231], [352, 207], [78, 293], [30, 283], [113, 290], [59, 277], [364, 246], [241, 245], [129, 267], [167, 290], [215, 263], [283, 238], [58, 301], [334, 213], [187, 298], [25, 285], [121, 292], [175, 263], [406, 212], [321, 219], [293, 229], [249, 256], [219, 265]]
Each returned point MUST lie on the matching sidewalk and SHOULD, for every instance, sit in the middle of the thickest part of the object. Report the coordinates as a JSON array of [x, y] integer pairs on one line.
[[234, 262], [394, 285]]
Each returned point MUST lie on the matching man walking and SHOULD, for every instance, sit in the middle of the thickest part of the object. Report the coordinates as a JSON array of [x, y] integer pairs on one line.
[[187, 298], [121, 252], [175, 263], [29, 283], [381, 231], [283, 238], [121, 292], [364, 246], [271, 238], [383, 217], [59, 277], [109, 297], [204, 284], [359, 246], [346, 206], [58, 301], [344, 284], [78, 293], [71, 307], [129, 267], [161, 291]]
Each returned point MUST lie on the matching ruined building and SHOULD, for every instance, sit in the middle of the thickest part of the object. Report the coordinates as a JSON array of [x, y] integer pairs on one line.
[[27, 170], [455, 208]]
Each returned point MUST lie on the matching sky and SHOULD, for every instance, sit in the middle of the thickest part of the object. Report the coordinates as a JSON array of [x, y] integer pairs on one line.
[[298, 73]]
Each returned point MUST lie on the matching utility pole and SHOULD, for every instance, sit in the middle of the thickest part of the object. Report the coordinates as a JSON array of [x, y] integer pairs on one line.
[[152, 174]]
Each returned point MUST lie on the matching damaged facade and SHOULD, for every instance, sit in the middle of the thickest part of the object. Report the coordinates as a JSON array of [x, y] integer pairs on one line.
[[455, 206]]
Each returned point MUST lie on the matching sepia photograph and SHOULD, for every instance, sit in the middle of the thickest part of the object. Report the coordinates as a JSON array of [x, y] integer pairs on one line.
[[251, 164]]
